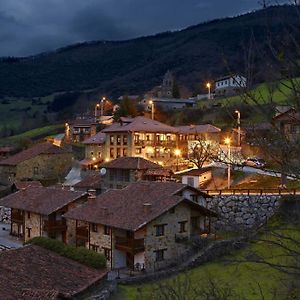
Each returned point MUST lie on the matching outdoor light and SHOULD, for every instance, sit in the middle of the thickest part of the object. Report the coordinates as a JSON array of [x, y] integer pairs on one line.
[[94, 158], [208, 85], [152, 109], [227, 141], [177, 152]]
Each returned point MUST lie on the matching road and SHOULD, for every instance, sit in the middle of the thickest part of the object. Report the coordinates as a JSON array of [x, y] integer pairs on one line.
[[7, 241]]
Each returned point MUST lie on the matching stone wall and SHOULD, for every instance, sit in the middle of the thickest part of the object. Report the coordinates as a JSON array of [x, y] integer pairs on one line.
[[241, 212], [4, 215]]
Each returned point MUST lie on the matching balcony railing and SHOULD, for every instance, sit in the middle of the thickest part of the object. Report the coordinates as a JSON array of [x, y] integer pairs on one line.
[[156, 143], [82, 233], [55, 226], [131, 245], [17, 217]]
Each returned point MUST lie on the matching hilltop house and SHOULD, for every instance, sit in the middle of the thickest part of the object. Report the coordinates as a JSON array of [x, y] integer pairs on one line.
[[168, 103], [125, 170], [37, 211], [80, 129], [94, 148], [43, 162], [143, 226], [140, 137], [230, 85]]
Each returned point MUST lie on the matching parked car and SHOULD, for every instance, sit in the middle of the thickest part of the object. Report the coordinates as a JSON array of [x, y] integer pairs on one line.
[[255, 162]]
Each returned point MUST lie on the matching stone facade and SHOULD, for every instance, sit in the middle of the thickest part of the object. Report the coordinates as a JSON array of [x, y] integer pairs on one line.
[[43, 167], [242, 212]]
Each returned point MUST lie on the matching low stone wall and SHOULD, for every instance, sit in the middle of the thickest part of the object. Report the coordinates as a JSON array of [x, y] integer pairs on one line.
[[241, 212], [4, 215]]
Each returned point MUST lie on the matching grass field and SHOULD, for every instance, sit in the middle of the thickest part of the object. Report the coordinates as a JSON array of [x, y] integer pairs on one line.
[[249, 279]]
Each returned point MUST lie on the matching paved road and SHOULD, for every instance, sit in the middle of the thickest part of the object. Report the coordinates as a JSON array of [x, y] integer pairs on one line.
[[7, 241]]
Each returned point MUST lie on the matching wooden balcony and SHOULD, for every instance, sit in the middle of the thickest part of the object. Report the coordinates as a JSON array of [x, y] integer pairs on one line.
[[17, 217], [55, 226], [82, 234], [132, 246]]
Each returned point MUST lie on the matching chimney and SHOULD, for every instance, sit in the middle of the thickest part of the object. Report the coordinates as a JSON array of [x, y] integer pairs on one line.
[[72, 189], [147, 207], [91, 194]]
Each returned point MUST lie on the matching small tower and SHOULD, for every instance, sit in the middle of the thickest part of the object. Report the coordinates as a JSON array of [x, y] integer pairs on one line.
[[167, 85]]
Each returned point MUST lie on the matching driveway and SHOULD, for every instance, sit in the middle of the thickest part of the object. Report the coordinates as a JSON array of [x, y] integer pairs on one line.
[[7, 241]]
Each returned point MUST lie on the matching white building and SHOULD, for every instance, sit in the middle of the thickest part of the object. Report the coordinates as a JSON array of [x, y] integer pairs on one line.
[[230, 85]]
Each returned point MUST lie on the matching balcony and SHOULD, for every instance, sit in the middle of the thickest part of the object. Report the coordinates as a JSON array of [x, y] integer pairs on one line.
[[17, 217], [82, 234], [55, 226], [133, 246]]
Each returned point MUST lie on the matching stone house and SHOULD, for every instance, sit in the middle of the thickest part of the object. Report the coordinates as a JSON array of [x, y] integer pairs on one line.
[[94, 148], [197, 177], [230, 85], [80, 129], [124, 170], [37, 211], [140, 137], [146, 225], [43, 162]]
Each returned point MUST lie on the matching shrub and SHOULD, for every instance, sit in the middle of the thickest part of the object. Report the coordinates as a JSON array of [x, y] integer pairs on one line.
[[81, 254]]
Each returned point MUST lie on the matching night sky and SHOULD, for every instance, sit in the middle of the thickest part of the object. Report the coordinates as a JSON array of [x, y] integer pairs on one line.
[[32, 26]]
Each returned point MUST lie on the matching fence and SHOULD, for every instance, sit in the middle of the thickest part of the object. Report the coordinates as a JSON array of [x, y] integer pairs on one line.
[[249, 192]]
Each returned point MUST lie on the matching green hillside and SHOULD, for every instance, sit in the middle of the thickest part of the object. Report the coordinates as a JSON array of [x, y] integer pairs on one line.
[[134, 66]]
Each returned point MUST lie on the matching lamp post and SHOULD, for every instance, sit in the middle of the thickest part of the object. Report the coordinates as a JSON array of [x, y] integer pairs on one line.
[[228, 143], [239, 126], [102, 105], [152, 109], [177, 153], [96, 109], [208, 85]]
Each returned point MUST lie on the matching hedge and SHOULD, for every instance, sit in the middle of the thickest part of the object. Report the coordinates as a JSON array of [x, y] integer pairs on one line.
[[80, 254]]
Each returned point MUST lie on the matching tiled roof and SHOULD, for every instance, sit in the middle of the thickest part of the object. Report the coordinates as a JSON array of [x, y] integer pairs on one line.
[[131, 163], [125, 208], [41, 200], [198, 129], [98, 138], [159, 172], [43, 148], [25, 184], [196, 172], [36, 273], [140, 124], [92, 181]]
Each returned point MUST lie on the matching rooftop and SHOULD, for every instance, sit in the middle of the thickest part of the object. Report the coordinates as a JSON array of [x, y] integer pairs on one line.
[[139, 124], [32, 272], [196, 129], [131, 163], [41, 200], [19, 185], [125, 208], [92, 181], [98, 138], [38, 149], [196, 172]]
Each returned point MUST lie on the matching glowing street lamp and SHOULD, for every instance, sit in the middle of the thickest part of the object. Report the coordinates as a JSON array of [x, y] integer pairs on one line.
[[208, 85], [177, 153], [102, 106], [96, 109], [228, 143], [152, 109], [239, 126]]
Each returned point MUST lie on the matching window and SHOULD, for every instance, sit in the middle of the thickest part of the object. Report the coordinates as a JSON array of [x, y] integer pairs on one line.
[[94, 227], [111, 138], [190, 181], [28, 232], [124, 140], [136, 139], [194, 198], [124, 151], [92, 153], [138, 150], [160, 230], [111, 152], [107, 253], [94, 247], [172, 210], [160, 255], [182, 226], [118, 140], [118, 152], [106, 230], [28, 215]]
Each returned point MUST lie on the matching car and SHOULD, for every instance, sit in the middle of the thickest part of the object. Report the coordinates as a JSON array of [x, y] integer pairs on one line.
[[255, 162]]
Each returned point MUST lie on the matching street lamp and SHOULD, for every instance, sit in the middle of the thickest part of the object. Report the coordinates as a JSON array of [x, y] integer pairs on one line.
[[177, 153], [208, 85], [102, 105], [96, 108], [152, 109], [228, 142], [239, 126]]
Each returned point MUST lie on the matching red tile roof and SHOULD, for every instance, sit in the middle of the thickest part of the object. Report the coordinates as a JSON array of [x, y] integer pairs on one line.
[[196, 172], [125, 208], [41, 200], [36, 273], [159, 172], [38, 149], [92, 181], [98, 138], [140, 124], [25, 184], [198, 129], [131, 163]]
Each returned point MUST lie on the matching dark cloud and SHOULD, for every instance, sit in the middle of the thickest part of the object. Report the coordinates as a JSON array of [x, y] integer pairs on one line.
[[32, 26]]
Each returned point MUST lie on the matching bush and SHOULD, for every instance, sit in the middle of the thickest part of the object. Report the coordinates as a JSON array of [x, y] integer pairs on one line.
[[81, 254]]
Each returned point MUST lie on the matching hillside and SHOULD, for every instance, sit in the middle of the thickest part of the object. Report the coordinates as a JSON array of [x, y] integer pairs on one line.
[[194, 55]]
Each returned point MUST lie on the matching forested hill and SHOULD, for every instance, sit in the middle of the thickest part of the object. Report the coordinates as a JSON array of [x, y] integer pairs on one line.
[[193, 54]]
